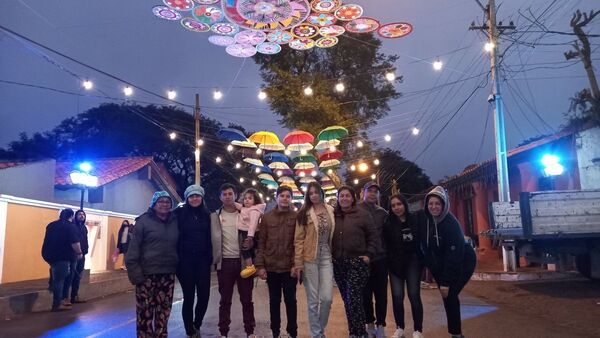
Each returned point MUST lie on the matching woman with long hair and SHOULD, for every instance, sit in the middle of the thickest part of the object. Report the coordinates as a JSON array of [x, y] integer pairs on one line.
[[354, 242], [405, 263], [312, 243], [123, 238]]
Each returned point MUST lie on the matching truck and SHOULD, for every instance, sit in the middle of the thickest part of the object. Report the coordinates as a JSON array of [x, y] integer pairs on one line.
[[551, 227]]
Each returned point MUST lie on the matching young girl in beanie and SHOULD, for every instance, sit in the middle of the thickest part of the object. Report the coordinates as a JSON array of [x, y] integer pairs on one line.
[[251, 210]]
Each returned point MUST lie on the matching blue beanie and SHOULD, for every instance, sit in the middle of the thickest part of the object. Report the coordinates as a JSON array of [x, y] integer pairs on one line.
[[193, 189], [158, 195]]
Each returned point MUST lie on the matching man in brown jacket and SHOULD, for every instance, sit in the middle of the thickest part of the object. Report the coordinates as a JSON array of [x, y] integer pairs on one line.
[[275, 260]]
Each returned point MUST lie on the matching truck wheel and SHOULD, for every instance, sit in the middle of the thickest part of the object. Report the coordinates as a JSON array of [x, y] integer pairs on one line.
[[584, 265]]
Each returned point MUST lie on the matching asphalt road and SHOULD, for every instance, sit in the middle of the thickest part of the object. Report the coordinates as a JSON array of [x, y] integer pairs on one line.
[[114, 316]]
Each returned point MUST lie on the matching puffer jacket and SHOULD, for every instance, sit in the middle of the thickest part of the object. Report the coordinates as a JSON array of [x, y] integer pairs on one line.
[[379, 215], [355, 235], [153, 248], [276, 242]]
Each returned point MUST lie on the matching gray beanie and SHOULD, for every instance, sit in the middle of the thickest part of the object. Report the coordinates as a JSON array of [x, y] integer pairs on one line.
[[193, 189]]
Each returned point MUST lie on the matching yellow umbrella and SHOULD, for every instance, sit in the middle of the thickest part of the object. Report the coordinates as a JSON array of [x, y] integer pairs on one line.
[[289, 184], [285, 179], [245, 144], [307, 179], [264, 137]]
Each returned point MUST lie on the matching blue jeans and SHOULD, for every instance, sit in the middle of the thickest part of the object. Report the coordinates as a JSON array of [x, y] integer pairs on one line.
[[412, 278], [318, 284], [59, 271], [77, 272], [69, 279]]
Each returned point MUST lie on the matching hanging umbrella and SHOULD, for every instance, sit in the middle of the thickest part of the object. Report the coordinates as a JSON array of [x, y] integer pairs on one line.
[[284, 172], [266, 177], [305, 172], [272, 146], [278, 165], [307, 179], [254, 161], [231, 134], [300, 147], [269, 182], [305, 158], [330, 155], [330, 133], [331, 192], [246, 144], [275, 157], [298, 137], [329, 163], [328, 186], [304, 165], [264, 137], [289, 184], [264, 169], [322, 145], [285, 179]]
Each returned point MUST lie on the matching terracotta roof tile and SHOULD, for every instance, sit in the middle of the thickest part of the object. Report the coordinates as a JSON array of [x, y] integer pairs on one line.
[[4, 165]]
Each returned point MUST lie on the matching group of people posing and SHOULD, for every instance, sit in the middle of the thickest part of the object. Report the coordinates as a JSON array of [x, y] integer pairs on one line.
[[356, 243]]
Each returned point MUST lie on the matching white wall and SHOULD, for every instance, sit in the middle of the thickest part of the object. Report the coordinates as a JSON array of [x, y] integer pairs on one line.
[[33, 180], [588, 152]]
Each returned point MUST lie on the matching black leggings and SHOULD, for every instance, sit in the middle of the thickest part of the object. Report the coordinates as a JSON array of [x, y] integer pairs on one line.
[[194, 277], [412, 278]]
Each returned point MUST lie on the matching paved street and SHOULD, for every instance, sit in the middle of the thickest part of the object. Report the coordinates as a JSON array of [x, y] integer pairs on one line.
[[114, 316]]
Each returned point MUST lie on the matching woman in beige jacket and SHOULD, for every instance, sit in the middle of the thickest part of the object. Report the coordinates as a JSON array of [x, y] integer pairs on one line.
[[314, 231]]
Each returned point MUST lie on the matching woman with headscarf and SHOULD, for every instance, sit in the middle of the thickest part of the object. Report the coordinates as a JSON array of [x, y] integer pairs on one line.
[[195, 257], [151, 261], [354, 242], [451, 259]]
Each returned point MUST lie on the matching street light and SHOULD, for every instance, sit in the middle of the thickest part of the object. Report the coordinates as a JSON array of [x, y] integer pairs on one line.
[[84, 179]]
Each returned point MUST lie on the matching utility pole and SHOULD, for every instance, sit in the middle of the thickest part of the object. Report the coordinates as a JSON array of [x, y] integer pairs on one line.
[[493, 47], [197, 152]]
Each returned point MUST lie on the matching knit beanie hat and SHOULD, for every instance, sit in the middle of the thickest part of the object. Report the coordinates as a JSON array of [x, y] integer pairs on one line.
[[158, 195], [193, 189]]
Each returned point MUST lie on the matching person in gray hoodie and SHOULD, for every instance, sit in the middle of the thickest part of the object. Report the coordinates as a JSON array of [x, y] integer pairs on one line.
[[449, 257], [151, 262]]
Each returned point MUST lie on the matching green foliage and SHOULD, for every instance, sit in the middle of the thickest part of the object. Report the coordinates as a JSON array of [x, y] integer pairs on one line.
[[584, 110]]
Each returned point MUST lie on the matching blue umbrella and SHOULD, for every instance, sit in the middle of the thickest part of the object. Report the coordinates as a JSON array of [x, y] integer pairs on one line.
[[231, 134], [275, 157], [263, 169]]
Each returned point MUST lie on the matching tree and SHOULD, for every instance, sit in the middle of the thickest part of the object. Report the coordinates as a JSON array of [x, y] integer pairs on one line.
[[112, 130]]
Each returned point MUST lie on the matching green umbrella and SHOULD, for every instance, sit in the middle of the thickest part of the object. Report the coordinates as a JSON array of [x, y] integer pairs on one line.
[[332, 133], [305, 158]]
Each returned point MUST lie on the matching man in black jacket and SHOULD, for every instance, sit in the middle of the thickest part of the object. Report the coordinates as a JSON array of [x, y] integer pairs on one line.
[[81, 230], [60, 247]]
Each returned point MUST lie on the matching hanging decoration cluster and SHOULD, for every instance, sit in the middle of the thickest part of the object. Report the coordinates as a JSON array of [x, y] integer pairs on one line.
[[247, 27], [296, 161]]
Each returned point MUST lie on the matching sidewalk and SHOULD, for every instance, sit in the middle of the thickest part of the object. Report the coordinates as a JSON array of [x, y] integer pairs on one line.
[[33, 296], [491, 269]]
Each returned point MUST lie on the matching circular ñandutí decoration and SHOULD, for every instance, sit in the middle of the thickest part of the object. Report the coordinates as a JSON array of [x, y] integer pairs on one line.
[[208, 15], [325, 5], [225, 28], [326, 42], [265, 11], [305, 30], [166, 13], [207, 2], [321, 19], [241, 50], [194, 25], [221, 40], [280, 37], [348, 12], [331, 31], [266, 15], [362, 25], [268, 48], [395, 30], [180, 5], [302, 44], [250, 37]]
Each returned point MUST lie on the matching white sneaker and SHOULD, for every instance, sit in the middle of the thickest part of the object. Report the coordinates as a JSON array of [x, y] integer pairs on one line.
[[380, 331], [418, 334], [371, 330], [399, 333]]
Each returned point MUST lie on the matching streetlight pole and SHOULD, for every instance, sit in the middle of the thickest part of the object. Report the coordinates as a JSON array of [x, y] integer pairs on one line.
[[197, 152]]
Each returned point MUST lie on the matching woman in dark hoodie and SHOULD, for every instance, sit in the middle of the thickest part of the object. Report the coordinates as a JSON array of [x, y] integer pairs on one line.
[[195, 257], [405, 263], [451, 259]]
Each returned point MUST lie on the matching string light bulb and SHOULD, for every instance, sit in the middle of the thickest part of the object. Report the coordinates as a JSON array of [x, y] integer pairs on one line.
[[387, 138], [279, 173], [360, 144], [262, 95], [313, 173], [332, 148], [339, 87], [128, 91], [173, 135], [257, 170], [437, 64], [171, 94], [373, 176], [390, 76], [253, 182], [241, 180], [230, 148], [88, 85], [217, 95], [259, 151], [302, 174], [287, 152], [238, 165], [376, 162], [330, 171], [200, 142], [489, 46], [352, 167], [308, 91], [363, 167], [356, 181], [218, 159], [415, 131]]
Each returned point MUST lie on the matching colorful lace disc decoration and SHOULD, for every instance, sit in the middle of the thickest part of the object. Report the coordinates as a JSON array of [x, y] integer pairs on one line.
[[305, 31], [241, 50], [266, 15], [280, 37], [268, 48], [331, 31], [195, 25], [225, 28], [207, 15], [221, 40], [395, 30], [326, 6], [207, 2], [250, 37], [321, 19], [348, 12], [362, 25], [302, 44], [326, 42], [180, 5], [166, 13]]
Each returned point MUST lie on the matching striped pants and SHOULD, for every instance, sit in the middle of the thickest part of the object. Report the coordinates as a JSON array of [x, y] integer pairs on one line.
[[154, 298], [351, 276]]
